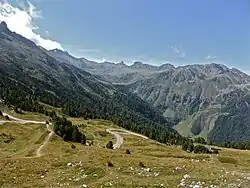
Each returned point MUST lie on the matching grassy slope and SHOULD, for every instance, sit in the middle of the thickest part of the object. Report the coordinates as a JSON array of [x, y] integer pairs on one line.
[[51, 170], [27, 137], [185, 126]]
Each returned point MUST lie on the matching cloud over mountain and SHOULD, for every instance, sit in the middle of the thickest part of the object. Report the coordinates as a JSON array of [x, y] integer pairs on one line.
[[21, 19]]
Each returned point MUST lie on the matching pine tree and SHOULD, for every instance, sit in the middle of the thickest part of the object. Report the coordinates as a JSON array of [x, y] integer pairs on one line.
[[190, 147]]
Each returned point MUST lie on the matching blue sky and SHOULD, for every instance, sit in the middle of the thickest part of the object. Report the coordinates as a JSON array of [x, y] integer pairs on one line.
[[154, 31]]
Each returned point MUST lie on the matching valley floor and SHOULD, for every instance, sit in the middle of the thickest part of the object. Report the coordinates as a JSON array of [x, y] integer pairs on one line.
[[86, 166]]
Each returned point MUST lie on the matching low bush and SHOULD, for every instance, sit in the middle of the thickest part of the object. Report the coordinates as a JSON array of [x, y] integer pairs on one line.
[[109, 145], [141, 164], [127, 151], [110, 164], [200, 140], [188, 145], [200, 149]]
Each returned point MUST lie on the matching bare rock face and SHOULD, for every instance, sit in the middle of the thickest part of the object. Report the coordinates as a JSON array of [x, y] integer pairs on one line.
[[199, 97], [196, 97]]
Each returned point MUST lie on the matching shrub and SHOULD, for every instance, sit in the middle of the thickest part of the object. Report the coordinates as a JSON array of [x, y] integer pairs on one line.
[[67, 130], [184, 146], [200, 140], [188, 145], [127, 151], [109, 145], [110, 164], [17, 110], [200, 149], [83, 141], [141, 164]]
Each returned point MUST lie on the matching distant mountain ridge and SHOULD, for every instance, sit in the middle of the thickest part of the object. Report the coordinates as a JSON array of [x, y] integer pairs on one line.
[[112, 72], [198, 97]]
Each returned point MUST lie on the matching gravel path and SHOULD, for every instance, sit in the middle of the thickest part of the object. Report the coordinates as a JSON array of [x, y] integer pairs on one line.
[[22, 121], [118, 135], [38, 151]]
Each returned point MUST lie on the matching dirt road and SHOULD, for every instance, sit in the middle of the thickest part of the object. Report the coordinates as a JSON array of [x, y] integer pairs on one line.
[[119, 139], [22, 121], [38, 151]]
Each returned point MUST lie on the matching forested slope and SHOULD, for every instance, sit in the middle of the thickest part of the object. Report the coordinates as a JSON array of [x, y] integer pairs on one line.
[[28, 75]]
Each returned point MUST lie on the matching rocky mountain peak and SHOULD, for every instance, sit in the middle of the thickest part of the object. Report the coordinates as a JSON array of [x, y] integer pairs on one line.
[[121, 63], [219, 67], [215, 68], [140, 65], [137, 63], [60, 52], [12, 36], [167, 66], [4, 27]]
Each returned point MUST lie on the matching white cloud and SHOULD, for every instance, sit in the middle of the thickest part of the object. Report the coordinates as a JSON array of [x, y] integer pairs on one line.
[[178, 50], [210, 57], [29, 8], [21, 20]]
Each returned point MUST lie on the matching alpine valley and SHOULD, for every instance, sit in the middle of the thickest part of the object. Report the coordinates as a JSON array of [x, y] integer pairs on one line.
[[207, 100], [202, 100]]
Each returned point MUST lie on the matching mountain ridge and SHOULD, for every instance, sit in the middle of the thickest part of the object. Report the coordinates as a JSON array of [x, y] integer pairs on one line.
[[29, 75], [194, 95]]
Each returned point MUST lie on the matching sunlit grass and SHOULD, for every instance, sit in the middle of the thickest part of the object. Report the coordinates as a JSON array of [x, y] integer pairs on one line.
[[51, 170]]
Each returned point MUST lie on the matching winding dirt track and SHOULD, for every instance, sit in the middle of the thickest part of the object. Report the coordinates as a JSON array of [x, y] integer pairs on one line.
[[119, 139], [116, 132], [38, 151], [22, 121]]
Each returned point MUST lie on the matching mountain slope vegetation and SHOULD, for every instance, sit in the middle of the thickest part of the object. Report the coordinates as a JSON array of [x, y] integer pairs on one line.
[[29, 75], [209, 95], [199, 99]]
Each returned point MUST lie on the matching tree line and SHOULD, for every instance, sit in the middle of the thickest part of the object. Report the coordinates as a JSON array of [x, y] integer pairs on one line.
[[65, 129], [124, 109]]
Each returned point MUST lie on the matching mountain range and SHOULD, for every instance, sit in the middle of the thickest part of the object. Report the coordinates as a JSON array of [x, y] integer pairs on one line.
[[30, 76], [209, 100]]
